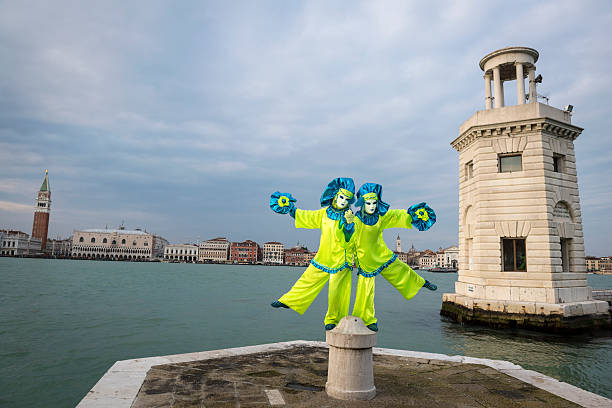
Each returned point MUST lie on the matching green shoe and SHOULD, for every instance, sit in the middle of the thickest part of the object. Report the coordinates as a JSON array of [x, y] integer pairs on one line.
[[430, 286], [277, 303], [329, 326], [373, 327]]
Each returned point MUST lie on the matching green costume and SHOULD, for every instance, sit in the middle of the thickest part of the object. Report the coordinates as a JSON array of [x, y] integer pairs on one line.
[[374, 257], [331, 261]]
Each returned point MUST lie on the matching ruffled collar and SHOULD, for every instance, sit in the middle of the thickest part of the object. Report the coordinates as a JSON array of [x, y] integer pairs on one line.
[[368, 219], [334, 214]]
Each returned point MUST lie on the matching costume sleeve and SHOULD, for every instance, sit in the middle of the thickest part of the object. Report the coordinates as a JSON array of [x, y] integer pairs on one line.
[[396, 219], [308, 219]]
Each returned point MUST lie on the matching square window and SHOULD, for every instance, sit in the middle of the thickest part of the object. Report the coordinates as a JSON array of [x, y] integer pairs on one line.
[[514, 255], [508, 164]]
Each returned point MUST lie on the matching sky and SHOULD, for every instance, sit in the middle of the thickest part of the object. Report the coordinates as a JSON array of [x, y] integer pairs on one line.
[[182, 118]]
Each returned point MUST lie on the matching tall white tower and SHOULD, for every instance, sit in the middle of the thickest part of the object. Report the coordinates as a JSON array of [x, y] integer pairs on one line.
[[521, 248], [398, 244]]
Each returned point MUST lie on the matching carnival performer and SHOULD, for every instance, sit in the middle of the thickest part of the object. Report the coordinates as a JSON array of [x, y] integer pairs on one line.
[[335, 220], [373, 255]]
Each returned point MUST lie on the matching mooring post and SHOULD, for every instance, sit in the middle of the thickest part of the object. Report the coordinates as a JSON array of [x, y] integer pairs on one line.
[[350, 371]]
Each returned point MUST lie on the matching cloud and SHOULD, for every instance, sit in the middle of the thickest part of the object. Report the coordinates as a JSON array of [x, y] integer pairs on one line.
[[15, 207]]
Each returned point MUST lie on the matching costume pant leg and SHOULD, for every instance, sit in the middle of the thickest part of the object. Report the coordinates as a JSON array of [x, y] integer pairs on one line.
[[339, 297], [364, 300], [305, 290], [403, 278]]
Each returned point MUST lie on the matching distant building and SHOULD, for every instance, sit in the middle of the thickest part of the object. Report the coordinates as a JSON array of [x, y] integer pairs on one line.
[[244, 252], [398, 244], [309, 257], [592, 263], [605, 265], [297, 255], [115, 244], [440, 258], [181, 252], [451, 257], [214, 250], [59, 248], [273, 253], [40, 226], [402, 256], [427, 259], [18, 243]]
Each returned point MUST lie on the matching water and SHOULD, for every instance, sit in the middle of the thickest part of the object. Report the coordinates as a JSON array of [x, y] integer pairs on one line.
[[64, 323]]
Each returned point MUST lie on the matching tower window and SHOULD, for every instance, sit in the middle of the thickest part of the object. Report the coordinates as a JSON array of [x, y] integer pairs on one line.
[[565, 254], [510, 163], [93, 240], [559, 163], [469, 170], [514, 255]]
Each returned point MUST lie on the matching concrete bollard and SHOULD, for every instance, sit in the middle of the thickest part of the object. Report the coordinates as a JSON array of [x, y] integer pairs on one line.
[[350, 370]]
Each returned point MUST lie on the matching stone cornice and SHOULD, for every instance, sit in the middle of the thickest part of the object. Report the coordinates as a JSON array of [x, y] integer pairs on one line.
[[516, 128]]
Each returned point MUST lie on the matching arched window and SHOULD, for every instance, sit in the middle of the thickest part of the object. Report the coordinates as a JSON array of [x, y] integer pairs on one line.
[[104, 241], [134, 243], [81, 239], [562, 211], [146, 243], [114, 242], [93, 239], [123, 241]]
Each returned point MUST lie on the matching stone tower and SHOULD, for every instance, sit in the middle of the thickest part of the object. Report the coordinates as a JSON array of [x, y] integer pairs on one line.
[[398, 244], [40, 227], [521, 248]]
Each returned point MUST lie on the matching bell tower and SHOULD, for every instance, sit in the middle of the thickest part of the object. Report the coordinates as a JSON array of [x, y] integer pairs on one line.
[[398, 244], [521, 248], [40, 227]]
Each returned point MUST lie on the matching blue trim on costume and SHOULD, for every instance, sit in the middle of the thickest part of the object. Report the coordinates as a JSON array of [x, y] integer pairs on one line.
[[378, 270], [331, 271], [368, 219], [420, 223], [334, 214], [274, 198], [292, 210], [348, 231]]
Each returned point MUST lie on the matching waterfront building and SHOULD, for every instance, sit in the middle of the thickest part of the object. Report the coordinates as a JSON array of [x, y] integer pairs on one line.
[[42, 210], [298, 255], [116, 244], [309, 257], [402, 256], [181, 253], [451, 257], [521, 246], [18, 243], [60, 248], [273, 253], [214, 250], [592, 263], [244, 252], [427, 259], [605, 265], [440, 258]]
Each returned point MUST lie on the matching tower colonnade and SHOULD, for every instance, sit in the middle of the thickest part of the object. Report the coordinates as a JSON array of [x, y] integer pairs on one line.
[[509, 64]]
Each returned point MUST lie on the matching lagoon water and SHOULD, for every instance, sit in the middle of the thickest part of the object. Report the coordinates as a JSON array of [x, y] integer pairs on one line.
[[63, 323]]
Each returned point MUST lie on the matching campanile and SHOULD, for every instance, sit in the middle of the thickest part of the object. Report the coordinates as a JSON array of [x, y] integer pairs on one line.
[[40, 227]]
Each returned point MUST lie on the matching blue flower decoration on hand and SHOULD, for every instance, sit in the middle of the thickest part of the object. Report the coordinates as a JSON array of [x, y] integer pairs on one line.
[[282, 203], [423, 216]]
